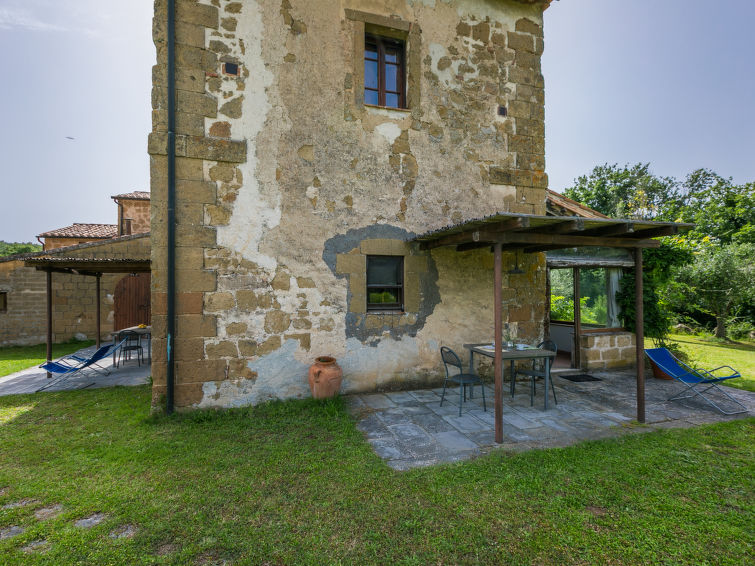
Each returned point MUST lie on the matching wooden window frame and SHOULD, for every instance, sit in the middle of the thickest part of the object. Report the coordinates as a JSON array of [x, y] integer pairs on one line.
[[395, 307], [385, 45]]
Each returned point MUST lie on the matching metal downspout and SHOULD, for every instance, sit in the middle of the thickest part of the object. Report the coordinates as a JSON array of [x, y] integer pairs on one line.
[[171, 275]]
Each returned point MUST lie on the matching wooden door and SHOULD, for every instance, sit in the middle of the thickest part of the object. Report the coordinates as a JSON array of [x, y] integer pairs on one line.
[[131, 301]]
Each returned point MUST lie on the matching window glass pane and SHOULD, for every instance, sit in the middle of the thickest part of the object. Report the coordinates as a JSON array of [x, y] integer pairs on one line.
[[371, 97], [391, 100], [370, 52], [562, 295], [391, 77], [391, 57], [384, 270], [593, 301], [370, 74], [383, 296]]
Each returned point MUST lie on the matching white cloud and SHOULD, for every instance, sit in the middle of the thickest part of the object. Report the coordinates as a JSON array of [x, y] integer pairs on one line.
[[43, 16]]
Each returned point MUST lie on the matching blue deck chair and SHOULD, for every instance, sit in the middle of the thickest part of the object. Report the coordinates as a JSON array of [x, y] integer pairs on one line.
[[74, 364], [695, 379]]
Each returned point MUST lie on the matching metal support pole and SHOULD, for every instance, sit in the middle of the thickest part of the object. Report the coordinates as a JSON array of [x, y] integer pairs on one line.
[[498, 360], [639, 335], [49, 319], [97, 302], [577, 319]]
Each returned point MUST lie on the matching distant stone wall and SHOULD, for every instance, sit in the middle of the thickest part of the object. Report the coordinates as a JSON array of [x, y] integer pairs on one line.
[[138, 212], [74, 311], [608, 350], [55, 243]]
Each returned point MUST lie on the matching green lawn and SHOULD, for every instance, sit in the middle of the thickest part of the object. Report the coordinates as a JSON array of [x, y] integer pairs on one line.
[[16, 358], [708, 353], [296, 483]]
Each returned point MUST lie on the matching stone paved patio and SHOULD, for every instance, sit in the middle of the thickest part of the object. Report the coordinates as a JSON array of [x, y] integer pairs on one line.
[[410, 429], [31, 379]]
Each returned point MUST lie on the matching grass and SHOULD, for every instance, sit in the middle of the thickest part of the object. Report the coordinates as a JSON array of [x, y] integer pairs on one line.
[[16, 358], [708, 352], [296, 483]]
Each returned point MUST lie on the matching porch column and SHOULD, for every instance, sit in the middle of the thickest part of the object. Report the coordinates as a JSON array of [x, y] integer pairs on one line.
[[97, 302], [498, 361], [639, 335], [49, 318]]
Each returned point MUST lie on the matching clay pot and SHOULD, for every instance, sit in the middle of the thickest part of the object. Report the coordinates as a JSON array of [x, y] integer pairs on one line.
[[325, 377], [658, 373]]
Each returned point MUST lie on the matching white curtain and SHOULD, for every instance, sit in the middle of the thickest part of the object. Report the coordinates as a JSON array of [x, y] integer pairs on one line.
[[613, 274]]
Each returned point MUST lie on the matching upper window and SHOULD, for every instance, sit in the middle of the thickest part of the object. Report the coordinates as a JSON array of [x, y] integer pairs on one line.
[[384, 71], [3, 301], [385, 282]]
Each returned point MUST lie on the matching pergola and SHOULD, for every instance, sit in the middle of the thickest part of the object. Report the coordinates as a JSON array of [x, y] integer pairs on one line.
[[531, 234], [93, 267]]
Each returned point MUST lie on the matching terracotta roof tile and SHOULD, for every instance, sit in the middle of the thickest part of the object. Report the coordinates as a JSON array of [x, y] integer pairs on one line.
[[133, 195], [79, 230]]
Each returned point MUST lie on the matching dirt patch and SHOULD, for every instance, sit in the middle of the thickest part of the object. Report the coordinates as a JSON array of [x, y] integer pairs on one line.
[[40, 545], [596, 511], [12, 531], [49, 512], [91, 521], [166, 548], [124, 531], [20, 503]]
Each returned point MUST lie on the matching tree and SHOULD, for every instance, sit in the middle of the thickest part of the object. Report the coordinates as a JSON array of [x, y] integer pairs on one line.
[[719, 209], [12, 248], [719, 281], [624, 192]]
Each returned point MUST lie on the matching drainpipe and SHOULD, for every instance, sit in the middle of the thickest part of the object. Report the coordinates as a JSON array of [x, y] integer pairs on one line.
[[171, 287]]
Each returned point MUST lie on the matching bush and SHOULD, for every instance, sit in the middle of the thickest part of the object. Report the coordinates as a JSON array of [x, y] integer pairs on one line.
[[739, 329]]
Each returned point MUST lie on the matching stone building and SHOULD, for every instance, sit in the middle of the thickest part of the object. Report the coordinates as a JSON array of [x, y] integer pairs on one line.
[[23, 288], [313, 140]]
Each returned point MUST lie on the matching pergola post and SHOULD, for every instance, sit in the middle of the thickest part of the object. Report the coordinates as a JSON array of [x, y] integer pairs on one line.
[[639, 335], [498, 360], [49, 318], [97, 302]]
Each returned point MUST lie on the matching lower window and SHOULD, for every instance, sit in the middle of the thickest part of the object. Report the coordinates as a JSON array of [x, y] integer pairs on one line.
[[385, 282]]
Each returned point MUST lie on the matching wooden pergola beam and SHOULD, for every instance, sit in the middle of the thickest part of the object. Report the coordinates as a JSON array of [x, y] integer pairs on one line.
[[488, 235]]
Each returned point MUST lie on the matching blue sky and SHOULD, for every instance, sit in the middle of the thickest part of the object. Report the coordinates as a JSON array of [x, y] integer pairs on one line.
[[669, 82]]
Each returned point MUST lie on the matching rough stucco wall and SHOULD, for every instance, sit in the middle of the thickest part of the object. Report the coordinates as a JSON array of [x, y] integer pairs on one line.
[[138, 212], [74, 309], [259, 218]]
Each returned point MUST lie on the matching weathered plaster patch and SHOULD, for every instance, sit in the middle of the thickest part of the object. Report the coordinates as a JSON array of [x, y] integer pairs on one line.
[[358, 325], [240, 234], [281, 376], [389, 131], [366, 369]]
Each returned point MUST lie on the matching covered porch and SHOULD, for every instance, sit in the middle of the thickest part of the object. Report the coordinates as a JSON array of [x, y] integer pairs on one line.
[[525, 233]]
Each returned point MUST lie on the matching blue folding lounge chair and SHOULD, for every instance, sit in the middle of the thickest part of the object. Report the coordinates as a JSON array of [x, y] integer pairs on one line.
[[694, 379], [72, 365]]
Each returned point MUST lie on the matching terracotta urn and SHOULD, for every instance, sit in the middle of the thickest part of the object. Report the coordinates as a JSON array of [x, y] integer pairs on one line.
[[325, 377]]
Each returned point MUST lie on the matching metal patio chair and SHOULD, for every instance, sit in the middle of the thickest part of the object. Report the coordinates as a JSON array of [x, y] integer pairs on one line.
[[538, 371], [459, 376], [694, 379], [132, 342]]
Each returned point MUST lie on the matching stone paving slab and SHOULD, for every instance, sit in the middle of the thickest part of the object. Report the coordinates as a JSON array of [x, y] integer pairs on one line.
[[410, 429]]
